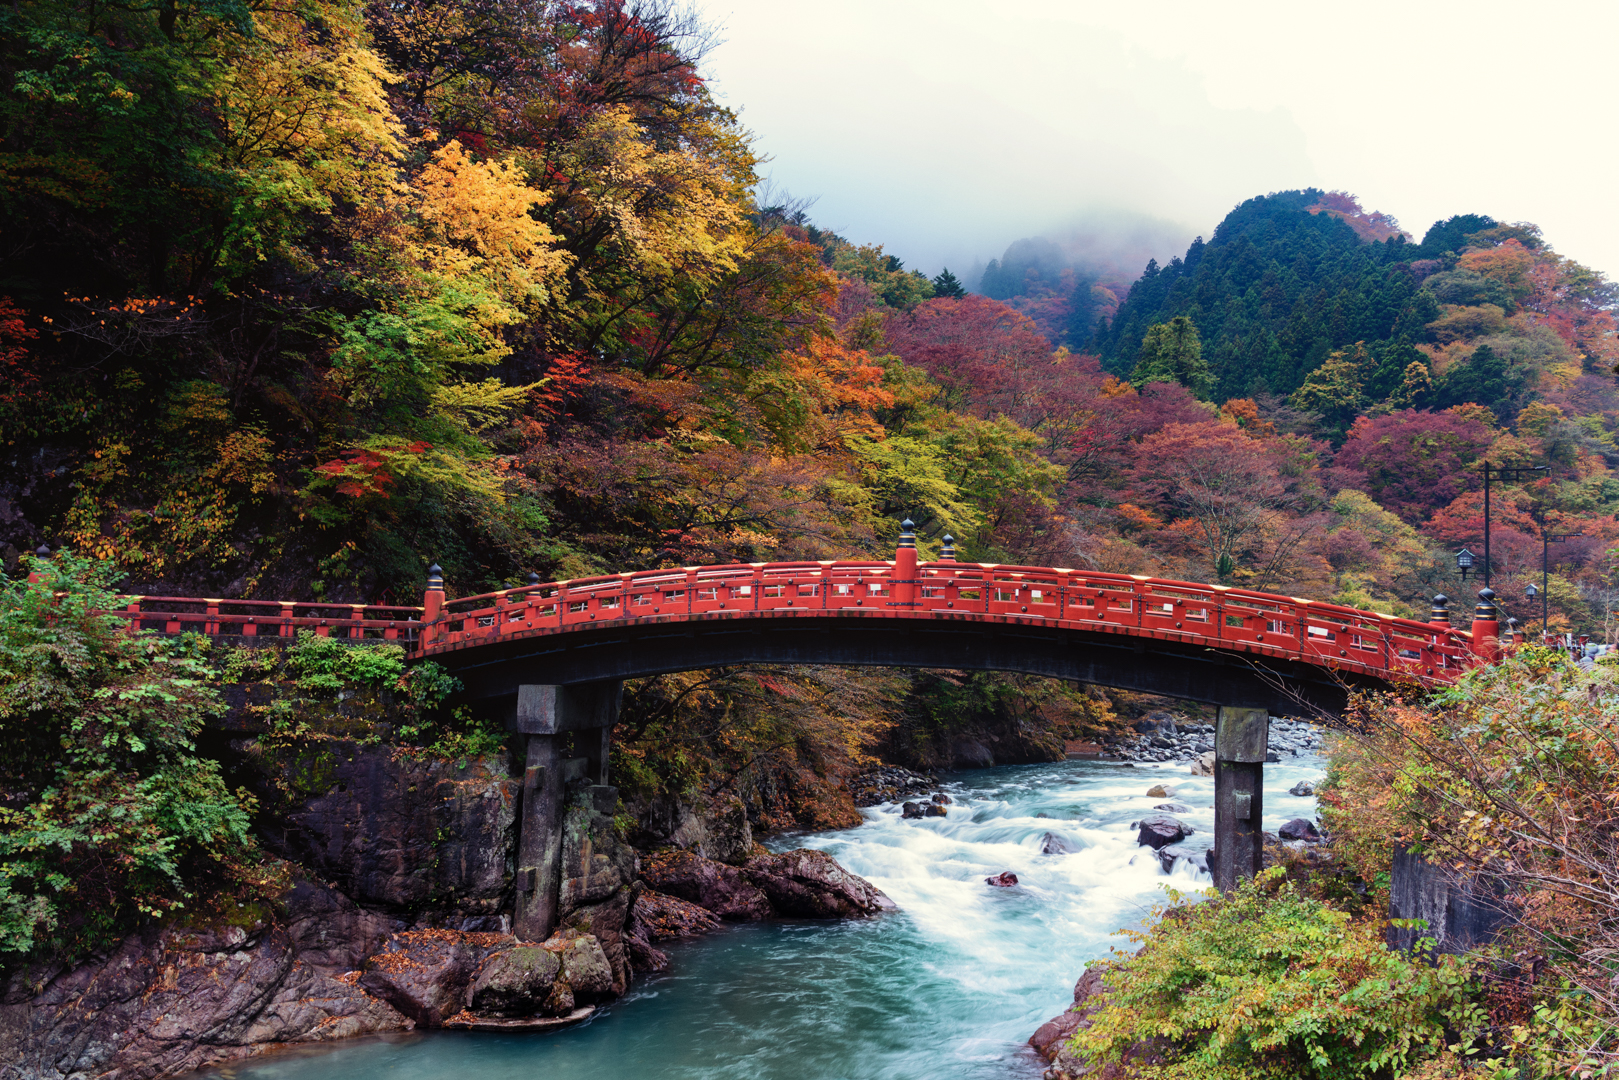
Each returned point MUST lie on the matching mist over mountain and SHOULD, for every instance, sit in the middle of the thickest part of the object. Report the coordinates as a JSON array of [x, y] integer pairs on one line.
[[1070, 277]]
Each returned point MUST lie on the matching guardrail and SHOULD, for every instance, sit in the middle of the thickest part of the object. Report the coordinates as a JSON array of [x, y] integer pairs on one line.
[[272, 618], [1219, 616]]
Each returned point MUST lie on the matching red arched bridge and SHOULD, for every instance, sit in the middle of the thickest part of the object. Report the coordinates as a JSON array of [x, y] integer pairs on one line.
[[1208, 643], [553, 656]]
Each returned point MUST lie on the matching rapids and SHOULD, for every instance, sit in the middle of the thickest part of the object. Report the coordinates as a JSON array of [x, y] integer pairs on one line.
[[948, 987]]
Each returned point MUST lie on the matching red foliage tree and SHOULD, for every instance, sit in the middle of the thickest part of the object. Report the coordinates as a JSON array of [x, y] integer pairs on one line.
[[1416, 462]]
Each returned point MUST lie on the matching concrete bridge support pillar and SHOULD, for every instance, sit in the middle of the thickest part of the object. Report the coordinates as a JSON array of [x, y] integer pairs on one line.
[[1241, 738], [543, 715]]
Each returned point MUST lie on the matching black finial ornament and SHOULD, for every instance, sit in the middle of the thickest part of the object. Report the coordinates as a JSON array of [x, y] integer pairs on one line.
[[42, 552], [1441, 610], [1486, 605], [907, 533], [533, 579], [949, 552], [435, 578]]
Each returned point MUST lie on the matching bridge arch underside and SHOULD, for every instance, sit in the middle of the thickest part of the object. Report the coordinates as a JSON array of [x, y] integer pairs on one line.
[[1148, 664]]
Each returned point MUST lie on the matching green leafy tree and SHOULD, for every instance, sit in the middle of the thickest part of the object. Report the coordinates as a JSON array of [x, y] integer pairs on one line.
[[1172, 352], [110, 814]]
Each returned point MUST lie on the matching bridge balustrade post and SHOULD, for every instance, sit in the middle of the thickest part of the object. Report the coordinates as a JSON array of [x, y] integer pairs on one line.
[[1486, 628], [543, 714], [41, 554], [1240, 741], [432, 605], [902, 586]]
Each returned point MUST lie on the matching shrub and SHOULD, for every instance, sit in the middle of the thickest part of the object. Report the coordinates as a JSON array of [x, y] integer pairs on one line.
[[1270, 982], [109, 813], [325, 664], [1509, 776]]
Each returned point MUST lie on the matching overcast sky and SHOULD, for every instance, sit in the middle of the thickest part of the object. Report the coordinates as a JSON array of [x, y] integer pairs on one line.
[[945, 130]]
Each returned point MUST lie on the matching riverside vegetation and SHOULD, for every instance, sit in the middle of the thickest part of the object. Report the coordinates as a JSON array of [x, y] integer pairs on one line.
[[1506, 778]]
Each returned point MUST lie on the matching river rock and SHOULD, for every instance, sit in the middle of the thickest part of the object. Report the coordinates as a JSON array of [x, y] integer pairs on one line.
[[889, 783], [1003, 880], [666, 917], [941, 798], [426, 974], [1159, 791], [1168, 855], [910, 810], [810, 884], [1303, 787], [1052, 844], [514, 982], [1161, 830], [1173, 808], [584, 967], [1204, 765], [721, 889], [1299, 829], [934, 810], [1051, 1040]]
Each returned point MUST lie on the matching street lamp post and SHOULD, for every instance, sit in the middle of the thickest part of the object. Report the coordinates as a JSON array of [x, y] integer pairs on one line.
[[1513, 473]]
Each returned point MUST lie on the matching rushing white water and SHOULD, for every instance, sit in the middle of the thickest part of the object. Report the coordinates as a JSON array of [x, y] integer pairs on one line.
[[949, 986]]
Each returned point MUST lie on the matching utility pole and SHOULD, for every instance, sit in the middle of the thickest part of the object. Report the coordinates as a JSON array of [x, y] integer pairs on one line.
[[1512, 473], [1546, 541]]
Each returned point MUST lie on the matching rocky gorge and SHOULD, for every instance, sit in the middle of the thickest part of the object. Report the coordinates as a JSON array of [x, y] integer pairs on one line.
[[387, 913]]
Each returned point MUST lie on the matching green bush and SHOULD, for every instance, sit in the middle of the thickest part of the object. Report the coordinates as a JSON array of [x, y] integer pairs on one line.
[[1270, 982], [110, 814], [327, 664]]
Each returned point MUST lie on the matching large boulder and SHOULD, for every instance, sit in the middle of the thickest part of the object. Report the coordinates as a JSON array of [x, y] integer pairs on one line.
[[668, 917], [514, 982], [719, 888], [1299, 829], [1159, 791], [810, 884], [1161, 830], [1204, 764], [1170, 854], [1302, 788], [1052, 844], [426, 974], [1051, 1040], [970, 754], [584, 966]]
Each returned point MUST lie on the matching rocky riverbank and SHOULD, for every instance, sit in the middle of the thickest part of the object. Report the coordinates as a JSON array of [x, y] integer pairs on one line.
[[1162, 736], [399, 873]]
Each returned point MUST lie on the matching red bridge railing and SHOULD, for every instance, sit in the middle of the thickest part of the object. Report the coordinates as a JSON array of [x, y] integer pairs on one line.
[[1321, 633], [272, 618], [1329, 635]]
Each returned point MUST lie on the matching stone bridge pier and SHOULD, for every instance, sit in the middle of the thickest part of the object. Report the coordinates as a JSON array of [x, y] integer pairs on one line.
[[543, 715], [1241, 736]]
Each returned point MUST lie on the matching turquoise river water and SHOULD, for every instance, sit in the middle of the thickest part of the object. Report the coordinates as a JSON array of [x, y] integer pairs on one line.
[[948, 987]]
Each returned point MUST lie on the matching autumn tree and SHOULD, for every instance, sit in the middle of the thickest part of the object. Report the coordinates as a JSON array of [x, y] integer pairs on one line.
[[1230, 487], [1415, 462]]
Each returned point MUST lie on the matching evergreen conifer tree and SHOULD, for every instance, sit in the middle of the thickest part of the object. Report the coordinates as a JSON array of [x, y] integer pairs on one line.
[[948, 285]]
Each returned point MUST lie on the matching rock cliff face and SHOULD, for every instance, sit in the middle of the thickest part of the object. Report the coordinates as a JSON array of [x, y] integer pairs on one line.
[[394, 832], [180, 998]]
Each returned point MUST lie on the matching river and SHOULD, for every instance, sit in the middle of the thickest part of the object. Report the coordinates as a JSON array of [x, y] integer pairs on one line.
[[948, 987]]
